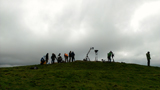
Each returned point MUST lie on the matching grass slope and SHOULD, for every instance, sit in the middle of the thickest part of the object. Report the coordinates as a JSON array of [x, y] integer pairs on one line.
[[81, 76]]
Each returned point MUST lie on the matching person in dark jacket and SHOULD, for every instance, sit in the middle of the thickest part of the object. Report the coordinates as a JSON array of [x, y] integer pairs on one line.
[[148, 58], [53, 57], [47, 58], [43, 60], [70, 56], [59, 58]]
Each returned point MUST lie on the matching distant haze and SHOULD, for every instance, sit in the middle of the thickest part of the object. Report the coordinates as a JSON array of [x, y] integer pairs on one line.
[[31, 28]]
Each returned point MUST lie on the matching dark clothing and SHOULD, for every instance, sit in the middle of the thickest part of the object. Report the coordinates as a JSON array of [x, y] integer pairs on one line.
[[53, 58], [109, 59], [112, 56], [47, 58], [59, 59], [148, 58], [73, 59], [42, 61], [148, 62], [72, 55], [109, 56], [70, 59]]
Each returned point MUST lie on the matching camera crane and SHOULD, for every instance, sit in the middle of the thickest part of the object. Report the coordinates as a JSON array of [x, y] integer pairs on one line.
[[87, 58]]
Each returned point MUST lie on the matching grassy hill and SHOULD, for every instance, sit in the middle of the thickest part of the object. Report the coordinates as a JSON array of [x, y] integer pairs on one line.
[[81, 76]]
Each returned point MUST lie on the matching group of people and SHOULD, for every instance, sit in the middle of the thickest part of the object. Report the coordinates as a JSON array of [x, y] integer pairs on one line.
[[71, 55], [110, 55]]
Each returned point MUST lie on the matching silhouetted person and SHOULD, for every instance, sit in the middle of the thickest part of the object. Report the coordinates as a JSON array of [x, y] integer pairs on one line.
[[53, 57], [66, 57], [109, 56], [47, 58], [148, 58], [70, 56], [112, 55], [43, 60], [59, 58]]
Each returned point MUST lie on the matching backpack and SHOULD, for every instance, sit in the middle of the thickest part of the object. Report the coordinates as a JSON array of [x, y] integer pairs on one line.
[[66, 55]]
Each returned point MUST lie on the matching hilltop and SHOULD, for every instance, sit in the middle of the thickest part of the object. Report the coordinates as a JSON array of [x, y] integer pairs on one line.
[[81, 76]]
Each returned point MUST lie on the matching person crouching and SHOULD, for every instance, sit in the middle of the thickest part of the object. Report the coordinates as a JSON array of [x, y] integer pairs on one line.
[[43, 61], [59, 59]]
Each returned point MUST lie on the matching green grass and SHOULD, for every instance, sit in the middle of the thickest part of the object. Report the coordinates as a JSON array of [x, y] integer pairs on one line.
[[81, 76]]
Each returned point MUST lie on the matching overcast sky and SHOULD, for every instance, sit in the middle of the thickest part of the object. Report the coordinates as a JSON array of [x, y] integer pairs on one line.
[[31, 28]]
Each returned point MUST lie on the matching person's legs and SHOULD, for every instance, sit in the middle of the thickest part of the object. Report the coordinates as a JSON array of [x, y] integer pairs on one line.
[[72, 59], [53, 61], [113, 59], [148, 62], [43, 62], [109, 59], [46, 61], [67, 59]]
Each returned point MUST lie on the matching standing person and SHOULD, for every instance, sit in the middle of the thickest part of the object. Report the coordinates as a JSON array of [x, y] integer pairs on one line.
[[109, 56], [53, 57], [70, 56], [59, 59], [47, 58], [148, 58], [66, 57], [112, 55]]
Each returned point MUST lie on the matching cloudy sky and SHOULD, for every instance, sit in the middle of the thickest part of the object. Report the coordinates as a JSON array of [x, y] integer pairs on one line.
[[31, 28]]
